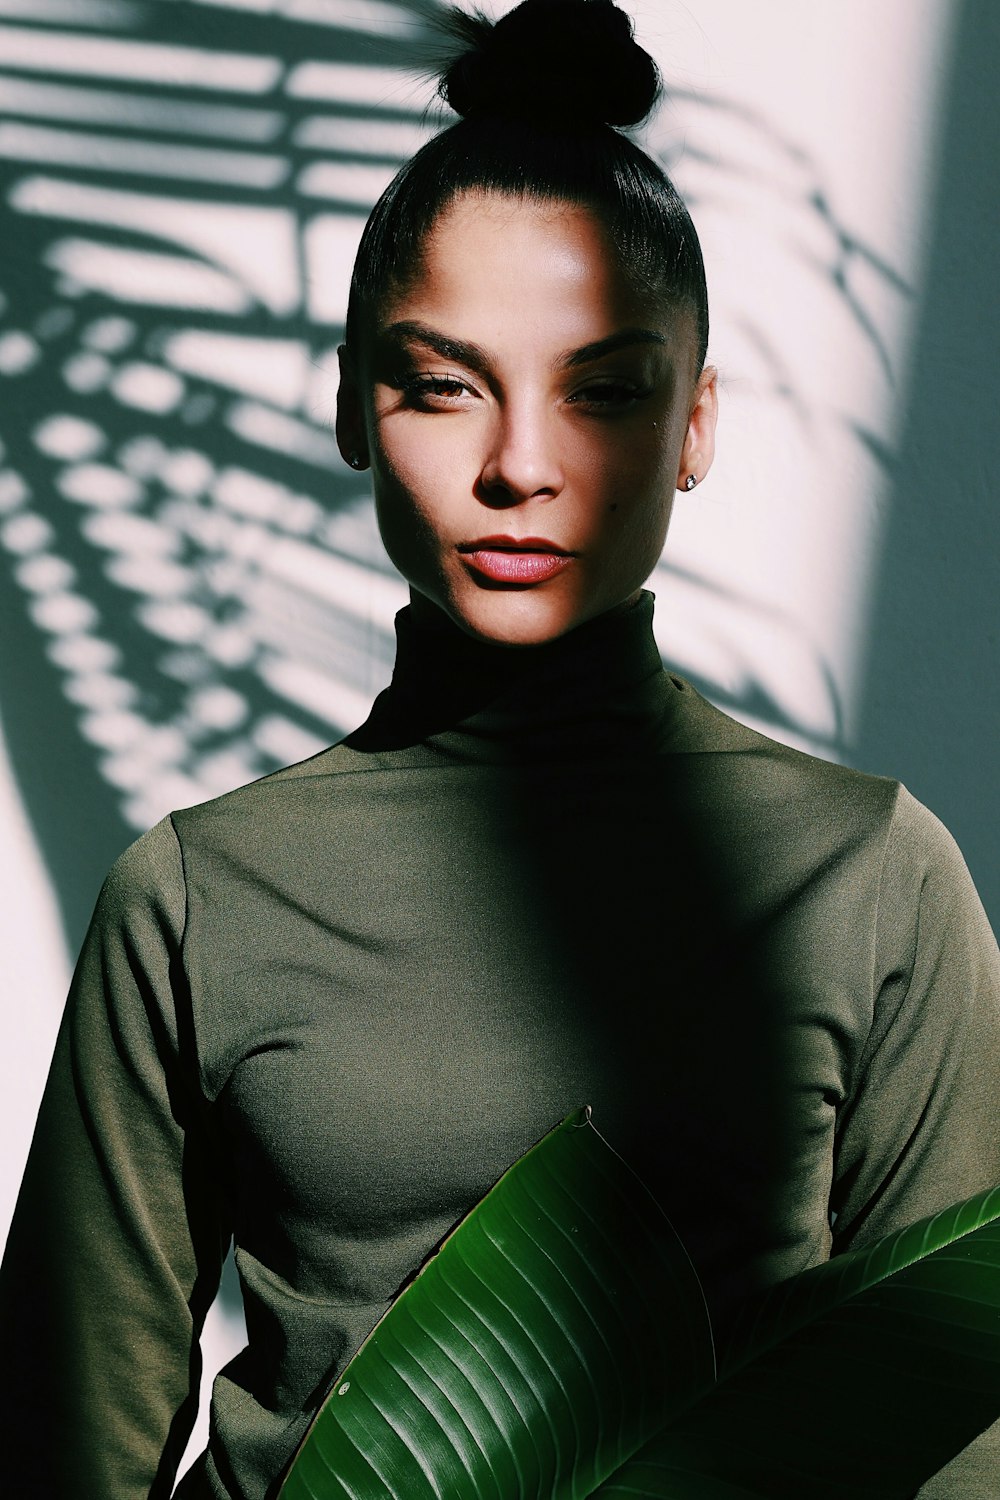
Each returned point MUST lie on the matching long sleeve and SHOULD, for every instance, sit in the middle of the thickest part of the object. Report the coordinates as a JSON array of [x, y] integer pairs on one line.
[[116, 1247], [922, 1129]]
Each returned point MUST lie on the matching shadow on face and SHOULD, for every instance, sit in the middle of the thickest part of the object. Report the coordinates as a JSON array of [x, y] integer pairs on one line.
[[521, 400]]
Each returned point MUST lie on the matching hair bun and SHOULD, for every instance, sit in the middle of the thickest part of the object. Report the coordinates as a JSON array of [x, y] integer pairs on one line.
[[573, 61]]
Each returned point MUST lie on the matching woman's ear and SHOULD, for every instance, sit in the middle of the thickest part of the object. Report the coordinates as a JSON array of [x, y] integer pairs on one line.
[[352, 438], [699, 440]]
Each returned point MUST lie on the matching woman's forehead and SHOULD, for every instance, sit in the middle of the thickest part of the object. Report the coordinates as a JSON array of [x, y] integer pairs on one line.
[[555, 235], [523, 267]]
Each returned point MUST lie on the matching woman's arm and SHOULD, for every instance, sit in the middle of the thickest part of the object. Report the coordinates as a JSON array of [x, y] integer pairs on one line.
[[117, 1242], [922, 1128]]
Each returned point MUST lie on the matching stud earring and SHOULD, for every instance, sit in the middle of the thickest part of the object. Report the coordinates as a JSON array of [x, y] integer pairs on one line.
[[690, 481], [354, 459]]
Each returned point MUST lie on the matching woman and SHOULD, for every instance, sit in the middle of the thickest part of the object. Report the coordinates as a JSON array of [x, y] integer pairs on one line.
[[322, 1015]]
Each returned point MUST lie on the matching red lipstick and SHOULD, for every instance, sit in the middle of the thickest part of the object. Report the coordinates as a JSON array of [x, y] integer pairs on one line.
[[508, 559]]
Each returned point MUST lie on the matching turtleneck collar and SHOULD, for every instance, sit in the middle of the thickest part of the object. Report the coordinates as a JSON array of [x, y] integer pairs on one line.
[[600, 690]]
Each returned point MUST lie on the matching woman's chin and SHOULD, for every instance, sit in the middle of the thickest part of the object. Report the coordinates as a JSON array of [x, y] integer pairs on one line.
[[515, 617]]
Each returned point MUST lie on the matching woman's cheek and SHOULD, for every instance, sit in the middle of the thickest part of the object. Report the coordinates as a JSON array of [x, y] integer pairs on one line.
[[423, 465], [623, 455]]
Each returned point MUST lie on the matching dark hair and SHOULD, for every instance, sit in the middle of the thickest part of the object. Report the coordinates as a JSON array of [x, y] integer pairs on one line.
[[541, 92]]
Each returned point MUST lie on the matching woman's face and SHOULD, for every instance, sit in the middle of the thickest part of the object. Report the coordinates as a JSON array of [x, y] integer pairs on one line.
[[527, 418]]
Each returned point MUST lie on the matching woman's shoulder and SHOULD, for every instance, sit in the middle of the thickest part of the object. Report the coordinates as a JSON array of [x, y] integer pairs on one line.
[[767, 770], [146, 881], [265, 798], [699, 727], [150, 871]]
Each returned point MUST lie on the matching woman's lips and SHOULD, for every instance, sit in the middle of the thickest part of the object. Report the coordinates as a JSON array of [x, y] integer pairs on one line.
[[507, 560]]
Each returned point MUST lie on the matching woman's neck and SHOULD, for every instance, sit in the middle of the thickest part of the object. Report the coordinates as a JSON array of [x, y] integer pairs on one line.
[[601, 684]]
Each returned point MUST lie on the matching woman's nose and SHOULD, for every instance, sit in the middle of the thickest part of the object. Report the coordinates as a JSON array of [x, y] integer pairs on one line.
[[522, 457]]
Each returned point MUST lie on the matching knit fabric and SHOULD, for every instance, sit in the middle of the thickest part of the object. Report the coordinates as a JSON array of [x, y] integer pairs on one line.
[[322, 1014]]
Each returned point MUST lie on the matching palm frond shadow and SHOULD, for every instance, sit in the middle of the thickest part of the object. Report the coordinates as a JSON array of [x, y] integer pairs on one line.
[[196, 591]]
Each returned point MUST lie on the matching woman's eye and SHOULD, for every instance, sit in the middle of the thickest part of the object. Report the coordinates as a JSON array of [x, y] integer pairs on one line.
[[608, 394], [434, 391]]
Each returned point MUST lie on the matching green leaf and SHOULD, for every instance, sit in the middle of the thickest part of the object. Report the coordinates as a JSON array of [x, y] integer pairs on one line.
[[557, 1347], [861, 1377], [549, 1336]]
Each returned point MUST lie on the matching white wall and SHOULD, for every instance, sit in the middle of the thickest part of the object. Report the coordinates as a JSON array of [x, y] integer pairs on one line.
[[807, 139]]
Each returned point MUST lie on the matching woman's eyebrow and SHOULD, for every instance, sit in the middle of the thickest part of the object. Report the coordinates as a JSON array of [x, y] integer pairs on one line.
[[412, 331], [623, 339]]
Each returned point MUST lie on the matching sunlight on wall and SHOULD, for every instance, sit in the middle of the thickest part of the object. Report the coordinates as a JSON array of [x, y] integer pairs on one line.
[[198, 575], [805, 177], [811, 265]]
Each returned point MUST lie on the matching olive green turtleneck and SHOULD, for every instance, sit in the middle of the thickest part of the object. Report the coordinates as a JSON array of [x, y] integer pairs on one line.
[[322, 1014]]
